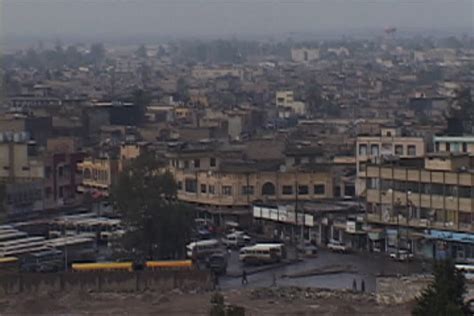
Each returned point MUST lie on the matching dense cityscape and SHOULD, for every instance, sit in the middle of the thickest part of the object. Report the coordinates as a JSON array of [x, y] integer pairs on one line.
[[294, 176]]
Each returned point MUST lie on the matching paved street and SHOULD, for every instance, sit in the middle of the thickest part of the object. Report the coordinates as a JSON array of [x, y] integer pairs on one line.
[[365, 267]]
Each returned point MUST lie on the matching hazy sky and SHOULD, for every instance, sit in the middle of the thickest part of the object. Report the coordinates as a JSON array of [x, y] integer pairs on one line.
[[125, 18]]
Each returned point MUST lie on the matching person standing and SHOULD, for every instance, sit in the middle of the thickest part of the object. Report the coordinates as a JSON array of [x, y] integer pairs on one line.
[[244, 278]]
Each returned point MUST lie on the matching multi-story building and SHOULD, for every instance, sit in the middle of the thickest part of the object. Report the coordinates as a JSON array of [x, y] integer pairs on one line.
[[390, 142], [423, 204], [221, 179], [98, 175], [304, 54], [455, 144], [287, 105]]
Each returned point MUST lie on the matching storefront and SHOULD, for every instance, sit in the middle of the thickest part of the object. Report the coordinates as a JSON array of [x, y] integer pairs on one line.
[[444, 244]]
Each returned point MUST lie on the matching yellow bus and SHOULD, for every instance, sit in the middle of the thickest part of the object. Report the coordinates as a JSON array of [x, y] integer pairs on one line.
[[102, 266], [9, 264], [169, 265]]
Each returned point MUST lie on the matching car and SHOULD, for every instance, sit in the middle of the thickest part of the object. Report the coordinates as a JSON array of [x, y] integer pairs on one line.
[[237, 239], [401, 255], [308, 249], [337, 246]]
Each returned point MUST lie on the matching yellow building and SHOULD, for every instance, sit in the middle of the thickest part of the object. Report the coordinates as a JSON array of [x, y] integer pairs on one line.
[[98, 175]]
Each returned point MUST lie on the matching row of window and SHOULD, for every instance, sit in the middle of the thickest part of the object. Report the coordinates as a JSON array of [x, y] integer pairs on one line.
[[190, 186], [196, 163], [454, 147], [422, 188], [433, 215], [95, 174], [398, 149], [27, 196]]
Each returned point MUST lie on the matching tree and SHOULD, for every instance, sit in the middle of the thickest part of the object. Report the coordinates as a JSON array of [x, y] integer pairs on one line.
[[3, 196], [445, 295], [141, 51], [461, 114], [141, 100], [157, 226]]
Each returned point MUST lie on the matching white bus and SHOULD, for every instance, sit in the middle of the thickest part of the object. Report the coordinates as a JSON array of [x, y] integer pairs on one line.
[[262, 253], [202, 248], [467, 269]]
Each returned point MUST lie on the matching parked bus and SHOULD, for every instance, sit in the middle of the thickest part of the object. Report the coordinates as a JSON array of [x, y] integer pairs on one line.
[[102, 266], [202, 248], [169, 265], [130, 266], [50, 260], [262, 253], [467, 269], [9, 265]]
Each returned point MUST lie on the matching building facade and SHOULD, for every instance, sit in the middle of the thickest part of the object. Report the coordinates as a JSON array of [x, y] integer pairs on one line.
[[411, 200]]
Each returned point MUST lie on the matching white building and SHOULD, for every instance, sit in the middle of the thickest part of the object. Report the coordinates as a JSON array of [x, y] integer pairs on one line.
[[302, 55]]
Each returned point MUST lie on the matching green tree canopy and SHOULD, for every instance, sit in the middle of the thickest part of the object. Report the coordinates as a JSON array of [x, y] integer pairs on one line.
[[157, 225], [445, 295]]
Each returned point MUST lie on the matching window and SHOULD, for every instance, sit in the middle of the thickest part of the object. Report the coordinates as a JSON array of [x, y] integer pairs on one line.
[[363, 150], [448, 147], [212, 189], [186, 164], [268, 189], [399, 150], [297, 161], [180, 185], [319, 189], [464, 147], [287, 190], [362, 166], [48, 192], [26, 168], [61, 192], [190, 185], [374, 183], [203, 188], [226, 190], [47, 173], [197, 163], [212, 163], [411, 150], [374, 150], [437, 147], [303, 189], [60, 171], [247, 190]]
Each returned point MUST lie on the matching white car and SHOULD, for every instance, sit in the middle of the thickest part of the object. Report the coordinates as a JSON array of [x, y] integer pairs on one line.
[[338, 246], [401, 255]]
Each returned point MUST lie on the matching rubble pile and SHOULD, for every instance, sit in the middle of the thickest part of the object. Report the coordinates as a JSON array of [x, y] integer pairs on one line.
[[299, 293]]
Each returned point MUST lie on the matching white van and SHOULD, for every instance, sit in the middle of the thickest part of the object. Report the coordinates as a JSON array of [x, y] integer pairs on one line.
[[236, 240], [262, 253], [202, 248]]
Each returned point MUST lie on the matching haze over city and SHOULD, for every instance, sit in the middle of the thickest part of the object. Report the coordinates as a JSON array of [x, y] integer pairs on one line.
[[150, 19], [213, 157]]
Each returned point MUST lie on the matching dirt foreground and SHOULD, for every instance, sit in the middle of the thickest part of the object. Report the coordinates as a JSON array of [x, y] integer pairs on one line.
[[257, 302]]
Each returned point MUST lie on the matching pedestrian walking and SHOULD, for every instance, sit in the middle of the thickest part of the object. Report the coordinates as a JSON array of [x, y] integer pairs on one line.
[[354, 285], [244, 278], [362, 286]]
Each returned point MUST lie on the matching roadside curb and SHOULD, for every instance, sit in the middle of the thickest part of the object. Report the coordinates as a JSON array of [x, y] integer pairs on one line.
[[265, 268]]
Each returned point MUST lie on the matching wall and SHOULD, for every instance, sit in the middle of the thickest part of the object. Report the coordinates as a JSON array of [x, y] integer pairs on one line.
[[104, 281]]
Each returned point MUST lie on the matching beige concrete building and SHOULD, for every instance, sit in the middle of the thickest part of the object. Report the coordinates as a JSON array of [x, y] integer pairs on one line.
[[221, 179], [455, 144], [390, 142], [422, 196], [286, 103]]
